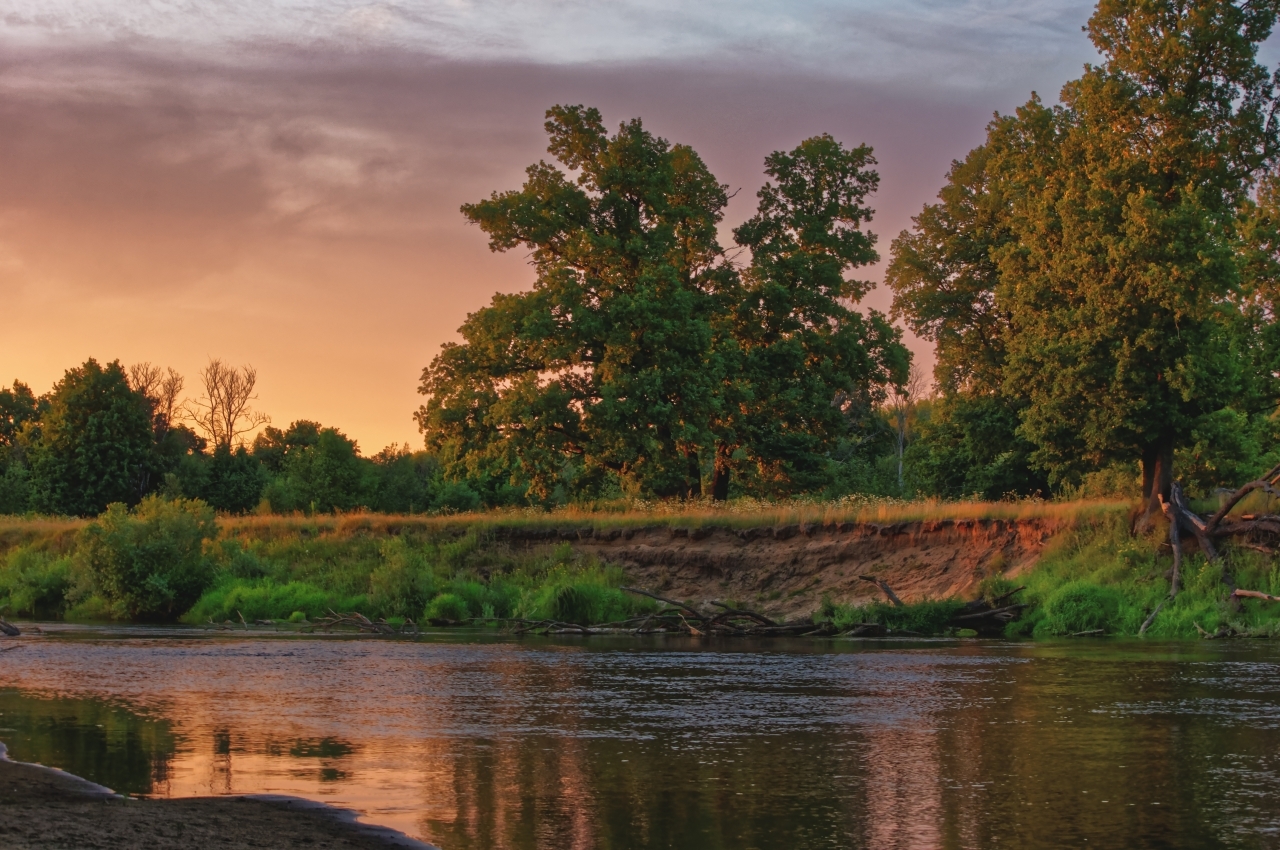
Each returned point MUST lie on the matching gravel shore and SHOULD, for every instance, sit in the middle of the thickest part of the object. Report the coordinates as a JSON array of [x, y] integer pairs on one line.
[[42, 809]]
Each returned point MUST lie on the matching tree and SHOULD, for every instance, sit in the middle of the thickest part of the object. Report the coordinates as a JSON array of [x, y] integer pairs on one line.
[[607, 368], [223, 413], [319, 476], [18, 406], [903, 399], [944, 276], [93, 443], [642, 354], [1116, 238], [162, 388], [20, 412], [798, 345]]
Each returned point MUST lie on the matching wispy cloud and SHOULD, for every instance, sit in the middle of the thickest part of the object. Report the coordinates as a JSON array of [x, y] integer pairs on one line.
[[970, 44]]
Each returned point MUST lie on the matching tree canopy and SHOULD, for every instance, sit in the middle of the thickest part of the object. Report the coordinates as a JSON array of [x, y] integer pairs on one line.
[[642, 354], [1087, 261]]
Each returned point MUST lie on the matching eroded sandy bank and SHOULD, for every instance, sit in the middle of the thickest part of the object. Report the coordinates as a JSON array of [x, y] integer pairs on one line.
[[786, 570]]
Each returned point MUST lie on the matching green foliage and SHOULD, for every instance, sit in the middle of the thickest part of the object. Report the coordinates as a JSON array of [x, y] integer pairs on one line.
[[408, 482], [448, 606], [150, 562], [265, 599], [930, 617], [233, 480], [1109, 285], [34, 583], [796, 342], [403, 583], [1079, 606], [970, 445], [94, 445], [321, 475], [642, 359]]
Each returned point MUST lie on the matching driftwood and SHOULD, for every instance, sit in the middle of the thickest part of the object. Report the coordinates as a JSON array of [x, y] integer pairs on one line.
[[888, 591], [8, 628]]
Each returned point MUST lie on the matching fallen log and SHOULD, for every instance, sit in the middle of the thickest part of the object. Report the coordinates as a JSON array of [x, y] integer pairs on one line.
[[1265, 483], [696, 615], [1254, 594], [9, 628], [1004, 614], [750, 615], [888, 591]]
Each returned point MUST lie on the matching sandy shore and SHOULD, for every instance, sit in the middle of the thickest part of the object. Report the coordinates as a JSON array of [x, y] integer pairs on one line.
[[43, 808]]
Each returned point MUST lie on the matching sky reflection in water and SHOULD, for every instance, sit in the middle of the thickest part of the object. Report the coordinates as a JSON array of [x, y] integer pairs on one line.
[[616, 744]]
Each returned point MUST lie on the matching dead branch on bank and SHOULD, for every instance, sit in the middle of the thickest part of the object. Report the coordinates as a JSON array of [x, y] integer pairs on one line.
[[1251, 531], [884, 587]]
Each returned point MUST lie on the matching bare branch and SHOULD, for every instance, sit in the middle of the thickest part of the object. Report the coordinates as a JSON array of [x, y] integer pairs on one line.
[[223, 412]]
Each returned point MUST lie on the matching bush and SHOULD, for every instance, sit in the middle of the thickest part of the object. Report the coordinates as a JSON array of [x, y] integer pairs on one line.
[[447, 606], [150, 562], [1080, 606], [403, 583], [34, 584]]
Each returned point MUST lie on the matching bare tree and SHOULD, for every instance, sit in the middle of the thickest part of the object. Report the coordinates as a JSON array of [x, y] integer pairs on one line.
[[902, 402], [162, 388], [223, 412]]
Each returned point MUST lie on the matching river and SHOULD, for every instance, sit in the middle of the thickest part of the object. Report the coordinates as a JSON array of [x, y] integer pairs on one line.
[[486, 742]]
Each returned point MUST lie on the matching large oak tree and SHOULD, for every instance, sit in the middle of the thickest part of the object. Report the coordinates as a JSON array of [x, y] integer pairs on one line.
[[643, 354]]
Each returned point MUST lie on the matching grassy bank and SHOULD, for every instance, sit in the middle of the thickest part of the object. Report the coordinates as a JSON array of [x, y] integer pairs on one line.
[[1096, 575], [1093, 574]]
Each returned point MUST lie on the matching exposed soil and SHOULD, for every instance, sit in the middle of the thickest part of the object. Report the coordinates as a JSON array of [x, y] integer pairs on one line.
[[43, 809], [786, 570]]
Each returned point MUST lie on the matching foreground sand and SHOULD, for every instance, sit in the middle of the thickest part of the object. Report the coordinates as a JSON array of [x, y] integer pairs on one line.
[[42, 808]]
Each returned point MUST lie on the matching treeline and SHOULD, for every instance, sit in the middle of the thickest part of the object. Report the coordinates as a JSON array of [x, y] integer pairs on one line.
[[108, 434]]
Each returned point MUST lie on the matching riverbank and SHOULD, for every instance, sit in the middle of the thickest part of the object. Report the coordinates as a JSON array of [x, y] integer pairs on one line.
[[1079, 568], [45, 808]]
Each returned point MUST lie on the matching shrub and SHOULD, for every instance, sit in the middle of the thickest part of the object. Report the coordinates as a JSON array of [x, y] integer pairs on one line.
[[403, 583], [34, 584], [150, 562], [1080, 606], [447, 606]]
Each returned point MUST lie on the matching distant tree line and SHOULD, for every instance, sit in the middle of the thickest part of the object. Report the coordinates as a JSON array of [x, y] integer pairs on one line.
[[108, 434]]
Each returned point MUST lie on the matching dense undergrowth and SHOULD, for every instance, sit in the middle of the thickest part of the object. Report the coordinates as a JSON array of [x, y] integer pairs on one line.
[[170, 560]]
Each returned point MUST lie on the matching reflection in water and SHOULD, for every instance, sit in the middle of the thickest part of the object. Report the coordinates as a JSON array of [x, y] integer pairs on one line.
[[495, 744]]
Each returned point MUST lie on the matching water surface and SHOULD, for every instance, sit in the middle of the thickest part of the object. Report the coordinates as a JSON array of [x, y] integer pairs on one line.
[[675, 743]]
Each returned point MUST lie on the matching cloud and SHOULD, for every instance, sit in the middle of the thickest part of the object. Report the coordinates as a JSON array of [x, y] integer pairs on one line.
[[928, 42]]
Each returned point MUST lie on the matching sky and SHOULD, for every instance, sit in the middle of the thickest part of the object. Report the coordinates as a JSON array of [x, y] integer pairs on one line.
[[277, 182]]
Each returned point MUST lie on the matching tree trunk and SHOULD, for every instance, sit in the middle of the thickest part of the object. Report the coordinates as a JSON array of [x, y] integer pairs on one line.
[[902, 445], [720, 479], [695, 476], [1157, 477]]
